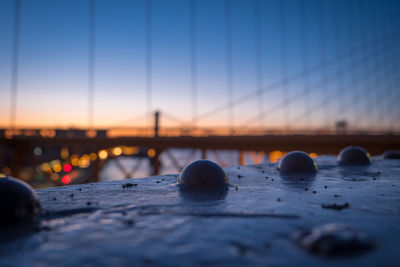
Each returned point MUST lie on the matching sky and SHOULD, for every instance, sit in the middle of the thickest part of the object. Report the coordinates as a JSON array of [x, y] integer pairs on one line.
[[358, 42]]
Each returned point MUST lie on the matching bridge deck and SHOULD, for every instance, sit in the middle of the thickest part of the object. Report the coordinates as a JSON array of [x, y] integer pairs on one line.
[[151, 222], [324, 144]]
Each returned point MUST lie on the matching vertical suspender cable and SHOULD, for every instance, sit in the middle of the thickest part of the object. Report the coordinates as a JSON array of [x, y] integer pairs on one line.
[[367, 65], [91, 60], [258, 59], [229, 63], [193, 59], [396, 23], [377, 60], [385, 32], [360, 94], [149, 59], [283, 50], [353, 72], [341, 91], [304, 52], [322, 43], [14, 64], [388, 30], [382, 37]]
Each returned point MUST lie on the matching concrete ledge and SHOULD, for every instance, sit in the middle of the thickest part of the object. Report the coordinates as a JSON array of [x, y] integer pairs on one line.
[[148, 222]]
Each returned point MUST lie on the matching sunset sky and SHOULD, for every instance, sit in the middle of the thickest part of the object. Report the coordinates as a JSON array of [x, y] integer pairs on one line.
[[53, 62]]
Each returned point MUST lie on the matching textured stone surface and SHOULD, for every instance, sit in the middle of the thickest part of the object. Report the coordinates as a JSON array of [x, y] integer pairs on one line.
[[151, 223]]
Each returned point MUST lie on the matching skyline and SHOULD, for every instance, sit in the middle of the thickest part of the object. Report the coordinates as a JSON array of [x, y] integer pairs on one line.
[[53, 62]]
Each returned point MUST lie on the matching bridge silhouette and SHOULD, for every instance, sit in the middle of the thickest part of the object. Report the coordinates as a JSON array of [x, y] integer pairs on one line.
[[343, 90]]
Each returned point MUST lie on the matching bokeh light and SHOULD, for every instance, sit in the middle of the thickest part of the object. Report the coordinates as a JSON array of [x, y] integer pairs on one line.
[[66, 179], [84, 161], [67, 167], [117, 151], [57, 167], [93, 156], [103, 154], [37, 151], [151, 152]]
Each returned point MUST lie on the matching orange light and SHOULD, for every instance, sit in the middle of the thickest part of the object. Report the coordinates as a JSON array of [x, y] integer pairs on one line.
[[103, 154], [6, 170], [93, 156], [66, 179], [54, 177], [117, 151], [52, 133], [130, 150], [313, 155], [75, 162], [45, 167], [67, 167], [274, 156], [9, 133], [64, 154], [84, 161], [91, 133], [151, 152], [57, 167]]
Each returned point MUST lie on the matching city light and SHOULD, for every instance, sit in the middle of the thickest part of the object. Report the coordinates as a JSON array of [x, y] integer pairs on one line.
[[91, 133], [55, 162], [117, 151], [151, 152], [67, 167], [74, 160], [37, 151], [274, 156], [103, 154], [64, 153], [130, 150], [47, 133], [66, 179], [313, 155], [84, 161], [6, 170], [57, 167], [93, 156], [54, 177], [45, 167]]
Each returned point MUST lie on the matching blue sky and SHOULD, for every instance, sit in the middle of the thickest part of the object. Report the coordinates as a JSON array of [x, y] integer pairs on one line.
[[53, 60]]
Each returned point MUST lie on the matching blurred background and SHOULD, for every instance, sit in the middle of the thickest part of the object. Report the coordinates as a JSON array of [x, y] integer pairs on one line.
[[98, 90]]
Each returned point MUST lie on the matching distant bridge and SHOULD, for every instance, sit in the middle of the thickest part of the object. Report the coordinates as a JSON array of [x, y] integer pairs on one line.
[[20, 151]]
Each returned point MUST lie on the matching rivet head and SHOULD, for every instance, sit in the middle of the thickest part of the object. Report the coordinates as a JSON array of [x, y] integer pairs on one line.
[[203, 175], [296, 162], [354, 155], [392, 154], [18, 202]]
